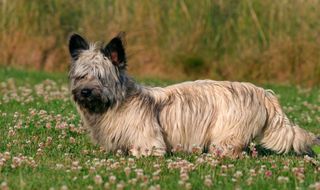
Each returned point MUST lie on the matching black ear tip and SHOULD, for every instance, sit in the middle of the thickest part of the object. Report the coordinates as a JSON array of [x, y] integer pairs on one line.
[[76, 44], [122, 36], [74, 36]]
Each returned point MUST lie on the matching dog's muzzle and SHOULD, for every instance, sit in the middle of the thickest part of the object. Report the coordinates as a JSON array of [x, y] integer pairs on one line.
[[90, 99]]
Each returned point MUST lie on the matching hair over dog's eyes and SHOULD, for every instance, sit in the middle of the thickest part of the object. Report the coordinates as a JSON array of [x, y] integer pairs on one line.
[[80, 77]]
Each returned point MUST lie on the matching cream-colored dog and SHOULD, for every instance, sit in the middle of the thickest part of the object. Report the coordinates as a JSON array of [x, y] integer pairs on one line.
[[122, 114]]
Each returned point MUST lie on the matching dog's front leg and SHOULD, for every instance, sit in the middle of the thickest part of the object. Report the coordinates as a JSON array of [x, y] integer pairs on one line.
[[148, 147], [138, 151]]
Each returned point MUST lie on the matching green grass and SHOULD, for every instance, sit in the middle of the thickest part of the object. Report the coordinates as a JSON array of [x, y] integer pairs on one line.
[[26, 113]]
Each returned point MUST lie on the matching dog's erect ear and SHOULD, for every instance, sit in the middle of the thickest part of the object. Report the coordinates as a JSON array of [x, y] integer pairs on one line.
[[114, 50], [76, 45]]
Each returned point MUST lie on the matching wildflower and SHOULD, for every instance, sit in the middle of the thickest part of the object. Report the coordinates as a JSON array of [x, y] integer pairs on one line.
[[106, 185], [64, 187], [230, 165], [249, 180], [145, 179], [122, 161], [41, 145], [254, 152], [16, 162], [184, 176], [181, 183], [214, 163], [48, 125], [72, 127], [133, 181], [72, 140], [127, 171], [216, 151], [223, 174], [112, 179], [92, 169], [139, 173], [285, 168], [208, 181], [156, 166], [224, 168], [155, 175], [131, 161], [200, 161], [120, 186], [49, 141], [85, 152], [315, 186], [59, 166], [188, 186], [11, 133], [75, 163], [282, 179], [98, 180], [157, 187], [238, 174], [268, 173], [115, 165], [4, 186]]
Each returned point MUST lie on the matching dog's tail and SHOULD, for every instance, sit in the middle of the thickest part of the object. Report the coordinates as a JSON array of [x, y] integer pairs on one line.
[[281, 135]]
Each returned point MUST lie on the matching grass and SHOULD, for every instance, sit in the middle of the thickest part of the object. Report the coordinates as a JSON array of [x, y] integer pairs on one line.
[[43, 146], [228, 39]]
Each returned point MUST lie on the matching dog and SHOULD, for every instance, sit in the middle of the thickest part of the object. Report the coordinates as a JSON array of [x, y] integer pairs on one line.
[[124, 115]]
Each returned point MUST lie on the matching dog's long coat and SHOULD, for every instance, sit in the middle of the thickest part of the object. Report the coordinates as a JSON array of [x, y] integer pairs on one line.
[[122, 114]]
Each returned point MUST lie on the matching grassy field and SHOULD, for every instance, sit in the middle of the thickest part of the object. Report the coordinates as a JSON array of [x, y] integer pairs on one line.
[[43, 146]]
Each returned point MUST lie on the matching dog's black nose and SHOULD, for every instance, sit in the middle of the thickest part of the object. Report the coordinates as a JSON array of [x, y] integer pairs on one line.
[[86, 92]]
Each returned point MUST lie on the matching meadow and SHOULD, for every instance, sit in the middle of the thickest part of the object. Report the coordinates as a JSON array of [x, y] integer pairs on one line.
[[221, 39], [44, 146]]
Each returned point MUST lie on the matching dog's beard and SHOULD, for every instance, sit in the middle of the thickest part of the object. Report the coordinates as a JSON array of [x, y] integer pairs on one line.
[[93, 104]]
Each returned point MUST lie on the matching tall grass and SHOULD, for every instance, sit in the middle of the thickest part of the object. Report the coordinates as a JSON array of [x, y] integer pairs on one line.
[[251, 40]]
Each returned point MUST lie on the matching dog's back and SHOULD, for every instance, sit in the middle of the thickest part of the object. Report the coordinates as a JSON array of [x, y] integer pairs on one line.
[[213, 113], [229, 115]]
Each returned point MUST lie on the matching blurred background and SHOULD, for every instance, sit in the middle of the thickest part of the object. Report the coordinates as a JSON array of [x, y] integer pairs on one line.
[[269, 41]]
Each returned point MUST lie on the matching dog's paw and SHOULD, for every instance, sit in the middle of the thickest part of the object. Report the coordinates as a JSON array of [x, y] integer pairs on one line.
[[154, 151], [157, 151], [136, 152]]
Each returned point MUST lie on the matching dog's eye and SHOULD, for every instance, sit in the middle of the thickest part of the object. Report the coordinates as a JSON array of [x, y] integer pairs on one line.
[[80, 77]]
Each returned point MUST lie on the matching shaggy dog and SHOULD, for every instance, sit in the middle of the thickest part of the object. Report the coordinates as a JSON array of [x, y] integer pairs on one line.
[[124, 115]]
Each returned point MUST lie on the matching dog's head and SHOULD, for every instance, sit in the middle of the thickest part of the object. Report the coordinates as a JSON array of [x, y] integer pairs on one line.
[[96, 73]]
